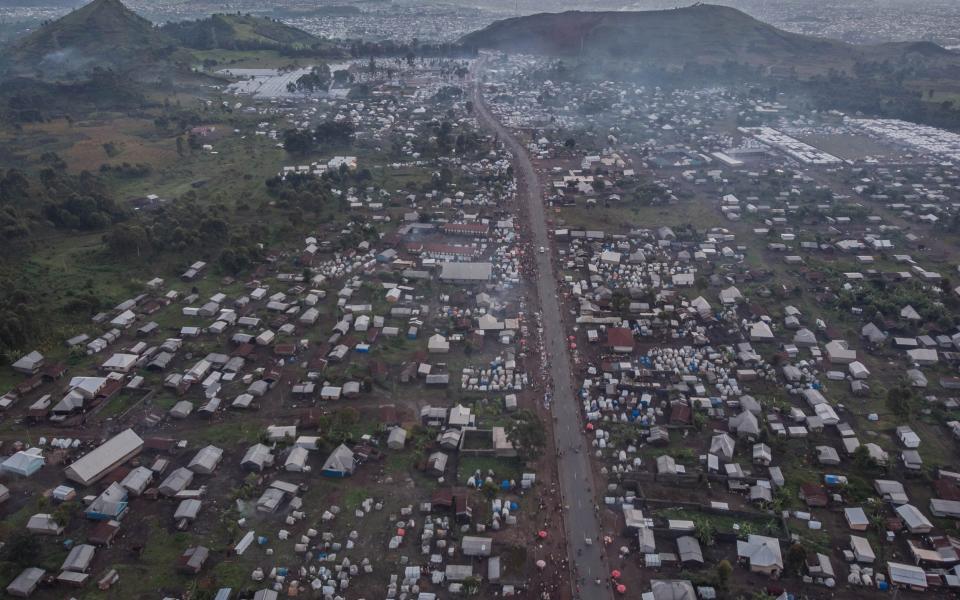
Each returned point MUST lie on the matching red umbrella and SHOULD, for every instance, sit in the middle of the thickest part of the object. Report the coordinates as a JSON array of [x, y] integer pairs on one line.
[[542, 534], [622, 589], [615, 574], [589, 426]]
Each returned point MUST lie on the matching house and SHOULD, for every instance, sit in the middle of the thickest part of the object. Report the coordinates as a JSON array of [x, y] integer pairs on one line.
[[839, 352], [437, 344], [466, 273], [102, 533], [730, 296], [79, 558], [723, 446], [397, 438], [762, 554], [907, 437], [891, 491], [176, 482], [340, 463], [437, 463], [296, 460], [44, 524], [257, 458], [192, 559], [620, 340], [26, 582], [206, 460], [28, 364], [761, 332], [114, 452], [137, 480], [688, 549], [915, 520], [923, 356], [856, 518], [472, 545], [943, 508], [813, 494], [745, 425], [861, 549], [671, 589], [908, 576]]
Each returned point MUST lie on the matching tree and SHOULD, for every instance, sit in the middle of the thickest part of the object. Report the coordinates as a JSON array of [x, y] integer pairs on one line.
[[471, 585], [22, 548], [180, 145], [796, 559], [901, 401], [724, 571], [861, 458], [570, 143], [526, 433], [704, 531], [127, 240], [64, 513], [298, 142]]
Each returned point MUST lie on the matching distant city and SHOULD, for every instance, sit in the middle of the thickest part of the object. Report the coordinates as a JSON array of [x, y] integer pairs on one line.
[[855, 21]]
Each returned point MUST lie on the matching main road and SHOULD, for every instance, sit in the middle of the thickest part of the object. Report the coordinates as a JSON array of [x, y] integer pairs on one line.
[[584, 538]]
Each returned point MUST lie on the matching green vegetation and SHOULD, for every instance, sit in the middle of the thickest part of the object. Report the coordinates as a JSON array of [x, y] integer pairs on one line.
[[527, 434], [238, 32]]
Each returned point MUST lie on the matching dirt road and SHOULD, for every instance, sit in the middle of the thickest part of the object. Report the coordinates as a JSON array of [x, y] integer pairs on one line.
[[585, 542]]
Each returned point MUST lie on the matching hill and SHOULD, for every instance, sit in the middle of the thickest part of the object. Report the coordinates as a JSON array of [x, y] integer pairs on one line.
[[103, 33], [700, 33], [238, 32]]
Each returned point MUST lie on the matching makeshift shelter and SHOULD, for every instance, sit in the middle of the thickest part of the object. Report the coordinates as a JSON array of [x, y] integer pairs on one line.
[[296, 460], [137, 480], [79, 558], [688, 549], [257, 458], [26, 582], [176, 482], [206, 460], [862, 551]]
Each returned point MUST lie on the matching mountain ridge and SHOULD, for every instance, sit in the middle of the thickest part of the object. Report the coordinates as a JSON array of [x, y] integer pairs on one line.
[[698, 33], [103, 33]]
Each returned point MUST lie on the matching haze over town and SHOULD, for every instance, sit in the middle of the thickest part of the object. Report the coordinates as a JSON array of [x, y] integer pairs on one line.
[[425, 300]]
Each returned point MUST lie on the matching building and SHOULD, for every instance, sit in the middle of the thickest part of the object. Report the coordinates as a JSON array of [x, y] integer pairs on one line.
[[114, 452], [466, 273], [762, 554]]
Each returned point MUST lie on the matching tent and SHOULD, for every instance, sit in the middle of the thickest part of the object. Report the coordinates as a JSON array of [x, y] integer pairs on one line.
[[111, 504], [24, 463], [340, 463]]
